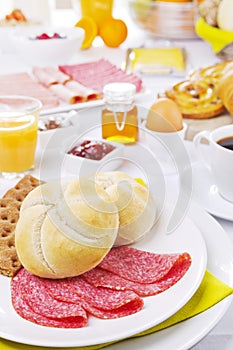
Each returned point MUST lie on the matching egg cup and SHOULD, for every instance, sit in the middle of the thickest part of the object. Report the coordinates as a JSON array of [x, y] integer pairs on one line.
[[167, 147]]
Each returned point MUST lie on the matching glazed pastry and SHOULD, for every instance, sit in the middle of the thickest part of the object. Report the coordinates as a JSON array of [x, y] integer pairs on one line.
[[197, 99], [211, 74]]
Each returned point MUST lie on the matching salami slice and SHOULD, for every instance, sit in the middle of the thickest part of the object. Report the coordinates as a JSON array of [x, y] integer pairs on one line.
[[25, 311], [138, 265], [100, 302], [37, 297], [103, 278], [111, 290]]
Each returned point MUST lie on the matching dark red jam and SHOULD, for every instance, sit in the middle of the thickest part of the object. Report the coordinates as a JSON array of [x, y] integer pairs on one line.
[[95, 150], [45, 36]]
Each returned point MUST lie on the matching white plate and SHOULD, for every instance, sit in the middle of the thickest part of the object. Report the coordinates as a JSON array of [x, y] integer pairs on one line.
[[205, 192], [186, 238], [188, 333], [64, 107]]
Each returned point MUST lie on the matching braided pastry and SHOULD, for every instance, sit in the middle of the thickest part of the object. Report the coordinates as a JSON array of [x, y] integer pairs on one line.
[[197, 99], [212, 74]]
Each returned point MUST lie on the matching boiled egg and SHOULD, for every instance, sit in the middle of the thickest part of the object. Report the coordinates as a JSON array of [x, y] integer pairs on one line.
[[164, 116]]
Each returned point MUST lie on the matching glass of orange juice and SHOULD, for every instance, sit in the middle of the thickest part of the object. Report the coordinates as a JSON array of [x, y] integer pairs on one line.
[[96, 9], [19, 117]]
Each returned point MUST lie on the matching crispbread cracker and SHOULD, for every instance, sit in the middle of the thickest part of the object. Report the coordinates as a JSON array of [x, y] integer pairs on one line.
[[10, 205]]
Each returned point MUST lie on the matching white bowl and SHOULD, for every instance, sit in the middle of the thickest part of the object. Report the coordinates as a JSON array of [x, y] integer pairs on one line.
[[52, 138], [6, 46], [79, 166], [50, 51]]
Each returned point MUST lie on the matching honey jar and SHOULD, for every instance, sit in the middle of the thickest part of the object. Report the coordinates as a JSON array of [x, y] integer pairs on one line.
[[120, 115]]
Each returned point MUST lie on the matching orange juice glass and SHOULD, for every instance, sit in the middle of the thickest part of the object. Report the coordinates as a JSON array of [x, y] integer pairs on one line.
[[97, 9], [18, 134]]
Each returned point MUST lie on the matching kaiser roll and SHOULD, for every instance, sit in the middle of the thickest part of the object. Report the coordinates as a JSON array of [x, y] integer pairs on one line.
[[136, 206], [65, 228]]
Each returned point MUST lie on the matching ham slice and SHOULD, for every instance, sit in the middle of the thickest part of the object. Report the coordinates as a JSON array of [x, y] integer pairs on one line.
[[99, 73], [67, 95], [48, 76], [24, 84], [43, 77], [59, 77], [73, 92], [88, 93]]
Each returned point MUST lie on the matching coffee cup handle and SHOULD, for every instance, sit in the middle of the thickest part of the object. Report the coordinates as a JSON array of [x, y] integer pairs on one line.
[[205, 134]]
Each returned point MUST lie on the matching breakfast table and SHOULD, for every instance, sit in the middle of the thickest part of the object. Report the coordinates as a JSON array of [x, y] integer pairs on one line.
[[216, 334]]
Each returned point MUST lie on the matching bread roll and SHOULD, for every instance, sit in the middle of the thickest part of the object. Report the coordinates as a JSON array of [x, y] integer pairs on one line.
[[65, 228], [225, 87], [137, 210]]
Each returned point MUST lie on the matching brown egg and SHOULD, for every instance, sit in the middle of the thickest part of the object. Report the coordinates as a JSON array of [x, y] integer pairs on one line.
[[164, 116]]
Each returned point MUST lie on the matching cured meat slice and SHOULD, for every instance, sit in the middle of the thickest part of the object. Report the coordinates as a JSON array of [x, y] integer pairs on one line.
[[49, 75], [59, 77], [140, 266], [25, 311], [41, 302], [24, 84], [90, 68], [100, 302], [89, 94], [66, 94], [103, 278], [99, 73], [43, 77]]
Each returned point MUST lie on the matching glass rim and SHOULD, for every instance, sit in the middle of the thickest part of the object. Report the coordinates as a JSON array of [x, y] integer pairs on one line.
[[36, 103]]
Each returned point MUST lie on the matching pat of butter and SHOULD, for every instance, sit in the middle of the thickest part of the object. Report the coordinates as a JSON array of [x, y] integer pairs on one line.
[[157, 60]]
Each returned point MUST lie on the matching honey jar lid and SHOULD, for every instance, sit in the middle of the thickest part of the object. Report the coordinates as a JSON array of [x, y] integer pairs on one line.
[[119, 91]]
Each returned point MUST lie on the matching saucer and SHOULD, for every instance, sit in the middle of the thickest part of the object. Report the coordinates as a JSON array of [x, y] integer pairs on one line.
[[206, 194]]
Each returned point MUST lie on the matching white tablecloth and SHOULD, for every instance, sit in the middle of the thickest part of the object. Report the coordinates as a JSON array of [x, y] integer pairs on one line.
[[199, 54]]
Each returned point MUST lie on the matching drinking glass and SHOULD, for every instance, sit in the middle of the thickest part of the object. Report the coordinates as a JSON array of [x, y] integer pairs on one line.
[[18, 134]]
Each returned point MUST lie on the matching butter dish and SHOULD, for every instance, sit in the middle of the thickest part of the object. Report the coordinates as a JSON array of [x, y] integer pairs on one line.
[[157, 61]]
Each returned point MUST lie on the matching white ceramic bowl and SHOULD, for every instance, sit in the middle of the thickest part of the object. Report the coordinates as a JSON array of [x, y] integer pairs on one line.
[[6, 46], [47, 51], [50, 136], [79, 166]]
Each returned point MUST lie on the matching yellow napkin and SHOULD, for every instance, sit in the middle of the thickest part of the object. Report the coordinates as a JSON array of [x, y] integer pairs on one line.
[[216, 37], [157, 59], [210, 292]]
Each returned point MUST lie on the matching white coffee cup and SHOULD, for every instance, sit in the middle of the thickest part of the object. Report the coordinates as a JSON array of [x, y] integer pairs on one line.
[[220, 159]]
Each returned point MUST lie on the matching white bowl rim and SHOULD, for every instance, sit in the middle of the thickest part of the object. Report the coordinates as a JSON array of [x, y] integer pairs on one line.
[[118, 148]]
